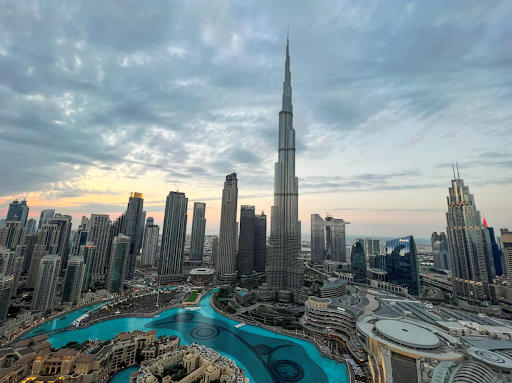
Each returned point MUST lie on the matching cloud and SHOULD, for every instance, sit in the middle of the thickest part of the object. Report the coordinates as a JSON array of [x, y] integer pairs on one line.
[[114, 98]]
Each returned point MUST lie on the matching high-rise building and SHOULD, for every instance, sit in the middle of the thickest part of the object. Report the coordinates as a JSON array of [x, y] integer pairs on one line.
[[284, 243], [18, 211], [88, 252], [133, 229], [71, 291], [100, 236], [471, 272], [441, 255], [47, 281], [328, 239], [17, 267], [317, 238], [118, 260], [245, 259], [6, 287], [47, 243], [506, 240], [44, 217], [358, 263], [64, 224], [401, 264], [142, 228], [260, 242], [27, 249], [31, 226], [2, 222], [492, 249], [226, 267], [12, 234], [173, 237], [198, 229], [82, 235], [150, 245], [150, 221], [6, 260], [370, 246], [215, 252], [335, 243]]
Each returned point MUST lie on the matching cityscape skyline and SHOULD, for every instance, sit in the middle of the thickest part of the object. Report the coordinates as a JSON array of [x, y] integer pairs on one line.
[[226, 73]]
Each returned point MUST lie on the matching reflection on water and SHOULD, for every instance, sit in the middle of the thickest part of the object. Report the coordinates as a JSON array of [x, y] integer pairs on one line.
[[267, 357]]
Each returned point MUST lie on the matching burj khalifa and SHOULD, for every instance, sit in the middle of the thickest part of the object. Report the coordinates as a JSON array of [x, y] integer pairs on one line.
[[284, 268]]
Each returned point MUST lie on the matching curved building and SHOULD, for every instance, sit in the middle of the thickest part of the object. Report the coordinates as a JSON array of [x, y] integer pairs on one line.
[[335, 317], [201, 275], [333, 287], [396, 347]]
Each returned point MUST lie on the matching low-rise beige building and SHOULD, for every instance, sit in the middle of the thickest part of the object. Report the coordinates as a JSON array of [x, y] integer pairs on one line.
[[191, 363]]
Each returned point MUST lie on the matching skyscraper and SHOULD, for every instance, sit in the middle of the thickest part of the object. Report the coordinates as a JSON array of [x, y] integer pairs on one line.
[[133, 228], [72, 289], [12, 234], [118, 260], [245, 259], [2, 222], [18, 211], [401, 264], [150, 221], [335, 242], [47, 243], [506, 240], [45, 216], [27, 248], [317, 238], [470, 269], [150, 245], [47, 280], [82, 235], [215, 252], [358, 263], [284, 244], [493, 249], [226, 267], [64, 224], [198, 229], [173, 238], [260, 242], [6, 287], [100, 236], [88, 252], [31, 226]]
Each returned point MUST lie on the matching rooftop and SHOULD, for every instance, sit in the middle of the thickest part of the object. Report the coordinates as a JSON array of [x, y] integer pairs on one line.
[[406, 333]]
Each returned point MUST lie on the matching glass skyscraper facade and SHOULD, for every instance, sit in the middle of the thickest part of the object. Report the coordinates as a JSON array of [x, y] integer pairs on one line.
[[358, 263], [401, 264]]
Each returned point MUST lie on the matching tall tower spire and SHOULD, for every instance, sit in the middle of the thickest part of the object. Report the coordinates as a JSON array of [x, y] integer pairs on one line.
[[284, 269], [287, 84]]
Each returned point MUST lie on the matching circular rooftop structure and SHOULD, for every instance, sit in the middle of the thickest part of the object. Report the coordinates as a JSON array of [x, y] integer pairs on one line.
[[202, 271], [407, 334], [201, 274], [491, 358]]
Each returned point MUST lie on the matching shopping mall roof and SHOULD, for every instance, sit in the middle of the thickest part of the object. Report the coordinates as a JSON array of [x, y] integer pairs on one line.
[[202, 271], [407, 334]]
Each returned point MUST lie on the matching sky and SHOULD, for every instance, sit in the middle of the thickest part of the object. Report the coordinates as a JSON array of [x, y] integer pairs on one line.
[[99, 99]]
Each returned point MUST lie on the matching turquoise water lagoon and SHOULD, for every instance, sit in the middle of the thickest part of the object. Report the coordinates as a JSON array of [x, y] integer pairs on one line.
[[266, 356]]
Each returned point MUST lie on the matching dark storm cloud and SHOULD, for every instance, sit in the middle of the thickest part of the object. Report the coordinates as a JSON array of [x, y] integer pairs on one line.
[[194, 90]]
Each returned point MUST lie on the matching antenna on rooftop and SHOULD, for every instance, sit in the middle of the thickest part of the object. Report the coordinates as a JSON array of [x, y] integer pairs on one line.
[[453, 166], [458, 175]]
